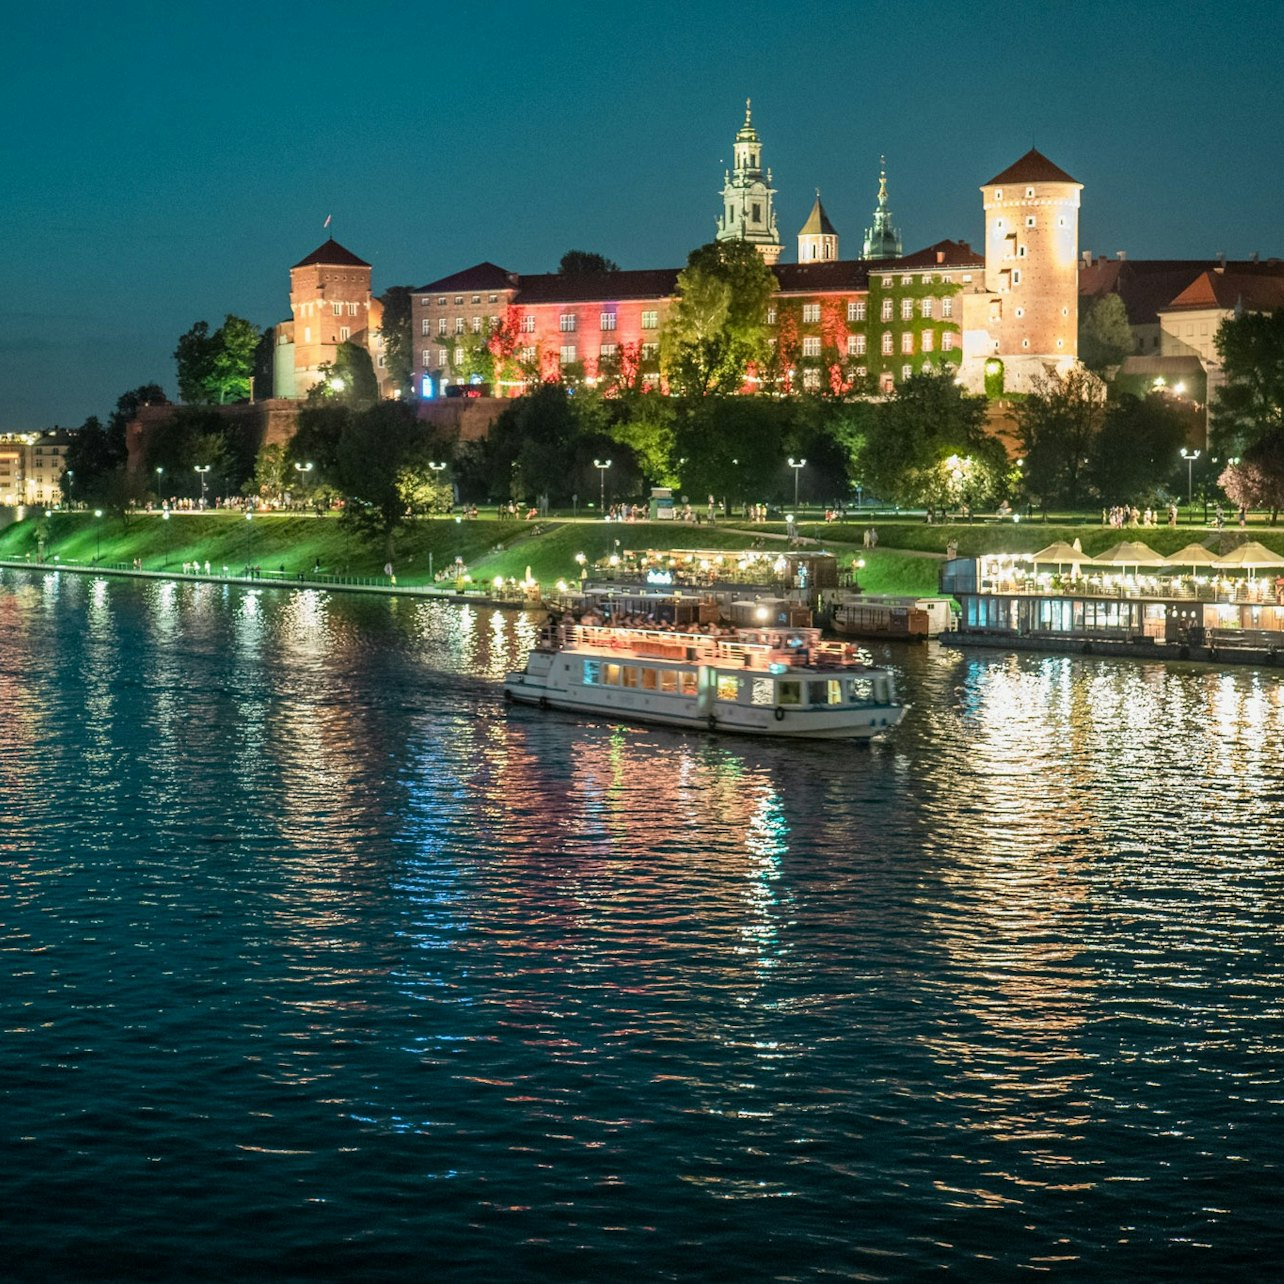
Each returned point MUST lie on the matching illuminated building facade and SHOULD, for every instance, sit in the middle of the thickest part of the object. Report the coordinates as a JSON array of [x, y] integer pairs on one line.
[[748, 209], [330, 304], [31, 467]]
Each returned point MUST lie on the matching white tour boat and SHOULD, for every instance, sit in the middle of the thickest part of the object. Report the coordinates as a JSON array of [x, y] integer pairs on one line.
[[763, 682]]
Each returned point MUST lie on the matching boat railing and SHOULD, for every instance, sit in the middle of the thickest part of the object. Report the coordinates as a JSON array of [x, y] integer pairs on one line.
[[1259, 591]]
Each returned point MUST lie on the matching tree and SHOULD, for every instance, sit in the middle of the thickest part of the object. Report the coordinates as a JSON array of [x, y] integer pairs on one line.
[[718, 323], [381, 453], [216, 368], [398, 339], [349, 378], [271, 469], [646, 427], [1132, 454], [584, 263], [1056, 426], [913, 437], [1249, 407], [1257, 480], [1105, 337], [98, 450]]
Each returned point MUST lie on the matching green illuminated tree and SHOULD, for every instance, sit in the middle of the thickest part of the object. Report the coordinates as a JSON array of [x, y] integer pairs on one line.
[[1105, 337], [216, 368], [718, 323], [1249, 407]]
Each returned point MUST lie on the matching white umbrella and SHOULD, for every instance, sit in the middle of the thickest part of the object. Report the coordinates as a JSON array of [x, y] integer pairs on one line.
[[1131, 552], [1194, 556], [1250, 556]]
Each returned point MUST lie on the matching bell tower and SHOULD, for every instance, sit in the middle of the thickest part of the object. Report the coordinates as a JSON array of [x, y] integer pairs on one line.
[[882, 241], [748, 213], [818, 239]]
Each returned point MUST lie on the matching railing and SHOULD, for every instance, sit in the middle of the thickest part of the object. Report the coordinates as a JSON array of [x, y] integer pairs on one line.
[[1251, 592]]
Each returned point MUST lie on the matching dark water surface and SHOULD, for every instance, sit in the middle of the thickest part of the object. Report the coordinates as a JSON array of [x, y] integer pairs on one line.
[[317, 962]]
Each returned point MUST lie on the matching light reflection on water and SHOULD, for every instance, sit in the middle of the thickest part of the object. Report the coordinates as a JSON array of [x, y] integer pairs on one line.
[[299, 917]]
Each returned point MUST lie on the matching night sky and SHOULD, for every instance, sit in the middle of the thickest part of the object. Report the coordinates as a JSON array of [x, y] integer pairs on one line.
[[165, 163]]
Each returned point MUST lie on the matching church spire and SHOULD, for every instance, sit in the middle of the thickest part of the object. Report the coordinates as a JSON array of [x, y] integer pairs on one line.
[[747, 195], [818, 238], [882, 241]]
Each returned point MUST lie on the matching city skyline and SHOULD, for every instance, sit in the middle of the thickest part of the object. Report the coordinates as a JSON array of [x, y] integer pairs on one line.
[[181, 164]]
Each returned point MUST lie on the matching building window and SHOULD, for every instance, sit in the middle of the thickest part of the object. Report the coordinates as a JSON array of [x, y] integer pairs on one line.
[[441, 325], [608, 320], [567, 354], [442, 356], [811, 380], [862, 372], [887, 283], [526, 355], [906, 372], [856, 311], [1016, 276], [887, 343], [1029, 191], [886, 381], [345, 333], [459, 300], [855, 345], [757, 212], [928, 341], [925, 307], [476, 298], [907, 309], [907, 341], [476, 325], [811, 312], [427, 357], [492, 324], [650, 351], [441, 301], [888, 307], [928, 368], [771, 316], [650, 320], [425, 326], [492, 298], [811, 345], [528, 325], [338, 309], [1029, 220], [1020, 251], [459, 325], [947, 307], [1020, 312], [1025, 343], [566, 323], [459, 356], [608, 350]]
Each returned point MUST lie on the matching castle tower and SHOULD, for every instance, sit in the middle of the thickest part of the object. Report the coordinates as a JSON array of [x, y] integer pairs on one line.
[[748, 213], [329, 304], [882, 241], [818, 240], [1031, 261]]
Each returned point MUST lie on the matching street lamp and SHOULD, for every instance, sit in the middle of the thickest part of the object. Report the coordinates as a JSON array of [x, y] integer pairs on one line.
[[1190, 456], [203, 469], [437, 470], [602, 465], [98, 536], [166, 528], [797, 465], [71, 481], [159, 473], [249, 517], [303, 470]]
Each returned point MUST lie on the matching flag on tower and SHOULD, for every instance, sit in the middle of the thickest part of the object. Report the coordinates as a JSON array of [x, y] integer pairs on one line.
[[326, 223]]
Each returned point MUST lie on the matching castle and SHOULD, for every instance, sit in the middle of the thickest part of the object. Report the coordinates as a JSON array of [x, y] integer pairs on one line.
[[997, 319]]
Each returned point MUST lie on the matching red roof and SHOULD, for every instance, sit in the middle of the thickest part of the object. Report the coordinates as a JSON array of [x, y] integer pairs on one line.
[[481, 276], [1227, 290], [952, 254], [333, 254], [1033, 167]]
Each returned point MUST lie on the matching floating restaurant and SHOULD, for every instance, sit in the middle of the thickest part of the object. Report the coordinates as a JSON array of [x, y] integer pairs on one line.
[[1193, 604]]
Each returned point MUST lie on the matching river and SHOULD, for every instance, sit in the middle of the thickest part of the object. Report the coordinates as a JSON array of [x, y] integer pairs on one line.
[[318, 962]]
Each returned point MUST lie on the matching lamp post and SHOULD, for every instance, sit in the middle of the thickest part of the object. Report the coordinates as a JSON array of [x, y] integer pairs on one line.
[[249, 517], [797, 465], [1190, 456], [159, 473], [71, 481], [203, 470], [166, 527], [437, 470], [303, 470], [98, 535], [602, 465]]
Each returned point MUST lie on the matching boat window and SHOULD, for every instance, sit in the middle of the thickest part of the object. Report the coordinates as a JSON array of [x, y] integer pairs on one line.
[[789, 692], [628, 676], [728, 687], [668, 680], [649, 679], [688, 681], [592, 672], [611, 675], [763, 691], [860, 690], [826, 691]]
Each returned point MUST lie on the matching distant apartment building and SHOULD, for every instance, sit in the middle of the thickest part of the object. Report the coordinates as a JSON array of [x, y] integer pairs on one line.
[[31, 467]]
